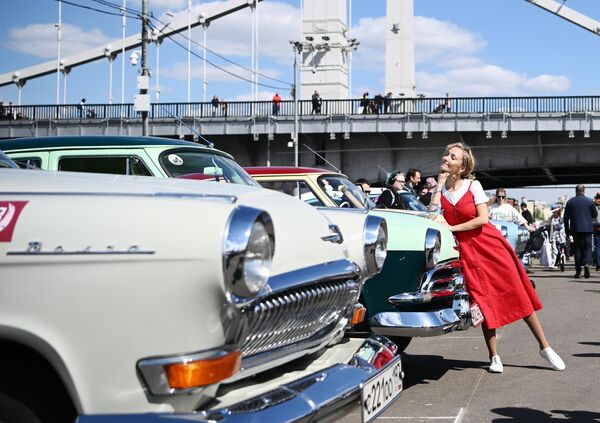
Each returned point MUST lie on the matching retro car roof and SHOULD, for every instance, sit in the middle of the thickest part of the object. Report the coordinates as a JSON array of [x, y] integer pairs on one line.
[[89, 140], [283, 170]]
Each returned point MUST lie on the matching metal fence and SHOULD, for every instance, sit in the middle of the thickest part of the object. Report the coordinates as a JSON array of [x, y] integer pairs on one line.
[[249, 109]]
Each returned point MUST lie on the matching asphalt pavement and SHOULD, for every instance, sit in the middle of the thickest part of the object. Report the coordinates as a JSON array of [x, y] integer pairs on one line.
[[446, 377]]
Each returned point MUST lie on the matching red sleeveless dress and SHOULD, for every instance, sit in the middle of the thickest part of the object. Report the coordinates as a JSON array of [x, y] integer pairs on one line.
[[494, 276]]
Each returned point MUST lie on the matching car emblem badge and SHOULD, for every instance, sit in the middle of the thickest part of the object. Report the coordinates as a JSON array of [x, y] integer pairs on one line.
[[9, 214]]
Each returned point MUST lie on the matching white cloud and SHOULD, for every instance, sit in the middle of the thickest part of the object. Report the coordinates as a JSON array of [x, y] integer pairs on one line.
[[39, 40], [488, 80]]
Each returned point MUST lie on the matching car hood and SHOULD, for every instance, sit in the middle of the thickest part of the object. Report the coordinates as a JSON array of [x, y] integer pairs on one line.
[[298, 227]]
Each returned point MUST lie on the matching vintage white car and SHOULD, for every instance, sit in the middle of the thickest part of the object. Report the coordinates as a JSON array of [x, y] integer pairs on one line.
[[125, 298]]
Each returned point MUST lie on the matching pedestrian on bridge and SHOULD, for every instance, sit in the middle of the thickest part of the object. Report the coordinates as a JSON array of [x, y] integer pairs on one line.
[[276, 104], [215, 105], [580, 213], [494, 277]]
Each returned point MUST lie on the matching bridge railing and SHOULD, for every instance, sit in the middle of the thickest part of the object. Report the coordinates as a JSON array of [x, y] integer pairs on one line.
[[264, 109]]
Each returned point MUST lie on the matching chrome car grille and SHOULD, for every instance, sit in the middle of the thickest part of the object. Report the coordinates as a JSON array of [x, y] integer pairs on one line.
[[299, 314]]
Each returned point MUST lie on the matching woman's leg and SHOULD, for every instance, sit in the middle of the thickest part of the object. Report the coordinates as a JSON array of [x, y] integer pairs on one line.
[[536, 328], [490, 340]]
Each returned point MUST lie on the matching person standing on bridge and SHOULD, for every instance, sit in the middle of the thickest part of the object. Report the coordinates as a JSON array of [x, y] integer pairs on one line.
[[580, 213], [276, 104], [494, 277]]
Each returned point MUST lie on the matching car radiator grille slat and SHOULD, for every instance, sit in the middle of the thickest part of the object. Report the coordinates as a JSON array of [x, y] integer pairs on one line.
[[296, 315]]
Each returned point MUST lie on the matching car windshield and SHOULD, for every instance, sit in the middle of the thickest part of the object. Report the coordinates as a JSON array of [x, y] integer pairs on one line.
[[6, 162], [203, 165], [412, 203], [344, 193]]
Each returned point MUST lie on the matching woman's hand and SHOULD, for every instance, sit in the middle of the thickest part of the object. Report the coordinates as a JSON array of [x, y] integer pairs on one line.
[[441, 180]]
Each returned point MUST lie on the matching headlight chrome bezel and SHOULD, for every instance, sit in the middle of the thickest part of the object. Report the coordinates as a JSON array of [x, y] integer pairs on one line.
[[243, 239], [375, 244], [433, 246]]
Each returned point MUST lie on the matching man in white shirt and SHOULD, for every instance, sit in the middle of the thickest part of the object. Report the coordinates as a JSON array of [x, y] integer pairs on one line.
[[501, 210]]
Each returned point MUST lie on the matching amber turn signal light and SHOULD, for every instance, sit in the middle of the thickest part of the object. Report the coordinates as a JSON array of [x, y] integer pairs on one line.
[[359, 314], [193, 374]]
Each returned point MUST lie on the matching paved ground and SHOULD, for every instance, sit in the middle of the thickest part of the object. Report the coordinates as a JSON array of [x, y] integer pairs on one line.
[[447, 381]]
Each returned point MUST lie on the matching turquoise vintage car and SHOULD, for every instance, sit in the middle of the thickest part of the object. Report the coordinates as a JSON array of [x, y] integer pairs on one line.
[[419, 291]]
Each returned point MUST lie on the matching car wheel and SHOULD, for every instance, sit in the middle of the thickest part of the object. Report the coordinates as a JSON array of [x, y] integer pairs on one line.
[[401, 341]]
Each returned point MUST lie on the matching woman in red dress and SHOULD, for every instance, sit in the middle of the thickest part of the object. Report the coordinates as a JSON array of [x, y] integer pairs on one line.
[[494, 276]]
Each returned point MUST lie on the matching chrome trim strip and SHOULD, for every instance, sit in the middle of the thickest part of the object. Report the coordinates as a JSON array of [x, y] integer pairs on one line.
[[226, 198], [430, 285], [313, 397], [340, 269], [415, 323]]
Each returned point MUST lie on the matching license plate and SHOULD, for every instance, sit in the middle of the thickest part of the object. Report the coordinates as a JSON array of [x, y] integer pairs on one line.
[[476, 315], [379, 391]]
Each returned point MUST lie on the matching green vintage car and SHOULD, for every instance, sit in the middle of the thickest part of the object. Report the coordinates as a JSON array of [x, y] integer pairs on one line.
[[419, 291]]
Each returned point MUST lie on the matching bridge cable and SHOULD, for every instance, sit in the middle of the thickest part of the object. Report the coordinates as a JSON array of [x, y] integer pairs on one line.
[[221, 68], [223, 57], [118, 7]]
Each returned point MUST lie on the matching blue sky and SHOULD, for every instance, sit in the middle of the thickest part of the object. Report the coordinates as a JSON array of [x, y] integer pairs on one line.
[[464, 47]]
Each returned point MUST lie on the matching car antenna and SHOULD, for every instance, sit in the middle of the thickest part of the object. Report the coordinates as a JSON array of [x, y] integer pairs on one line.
[[200, 137], [322, 158]]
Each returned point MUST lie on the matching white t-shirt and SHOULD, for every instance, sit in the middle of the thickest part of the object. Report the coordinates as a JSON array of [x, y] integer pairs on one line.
[[475, 188], [506, 212]]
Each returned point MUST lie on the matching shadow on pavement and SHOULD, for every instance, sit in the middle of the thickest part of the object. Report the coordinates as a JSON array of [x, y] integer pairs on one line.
[[589, 342], [517, 414], [421, 369], [593, 290]]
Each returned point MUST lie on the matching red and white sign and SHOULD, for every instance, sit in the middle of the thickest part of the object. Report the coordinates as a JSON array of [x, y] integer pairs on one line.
[[9, 214]]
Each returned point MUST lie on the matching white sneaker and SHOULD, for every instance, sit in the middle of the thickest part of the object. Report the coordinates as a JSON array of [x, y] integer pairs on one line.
[[553, 359], [496, 365]]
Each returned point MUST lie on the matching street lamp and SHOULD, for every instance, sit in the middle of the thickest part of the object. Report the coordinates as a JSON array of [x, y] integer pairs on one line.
[[297, 47]]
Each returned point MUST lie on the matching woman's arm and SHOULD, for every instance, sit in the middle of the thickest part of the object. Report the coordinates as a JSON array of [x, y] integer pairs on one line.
[[436, 197], [480, 220]]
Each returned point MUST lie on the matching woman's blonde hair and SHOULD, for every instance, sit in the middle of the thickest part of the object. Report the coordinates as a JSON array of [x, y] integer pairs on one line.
[[468, 158]]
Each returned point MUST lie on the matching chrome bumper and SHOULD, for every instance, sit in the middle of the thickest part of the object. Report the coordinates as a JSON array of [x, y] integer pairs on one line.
[[318, 396], [444, 280]]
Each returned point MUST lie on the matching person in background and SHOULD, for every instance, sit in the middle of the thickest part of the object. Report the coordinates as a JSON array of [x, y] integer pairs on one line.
[[580, 213], [557, 235], [597, 231], [316, 103], [389, 198], [364, 185], [430, 184], [494, 277], [501, 210], [276, 104], [526, 213], [215, 105], [413, 177]]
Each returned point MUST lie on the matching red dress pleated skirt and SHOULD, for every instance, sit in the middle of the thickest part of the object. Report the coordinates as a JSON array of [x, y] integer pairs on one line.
[[494, 276]]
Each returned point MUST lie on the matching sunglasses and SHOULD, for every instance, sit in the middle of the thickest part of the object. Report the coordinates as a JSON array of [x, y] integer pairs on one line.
[[367, 192], [399, 180], [501, 196]]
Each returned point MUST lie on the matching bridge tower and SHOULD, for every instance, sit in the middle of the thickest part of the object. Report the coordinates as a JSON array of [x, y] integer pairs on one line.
[[400, 48], [324, 57]]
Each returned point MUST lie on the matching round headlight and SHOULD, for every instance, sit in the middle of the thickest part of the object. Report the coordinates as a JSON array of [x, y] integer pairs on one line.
[[375, 244], [248, 251], [433, 245], [257, 259]]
